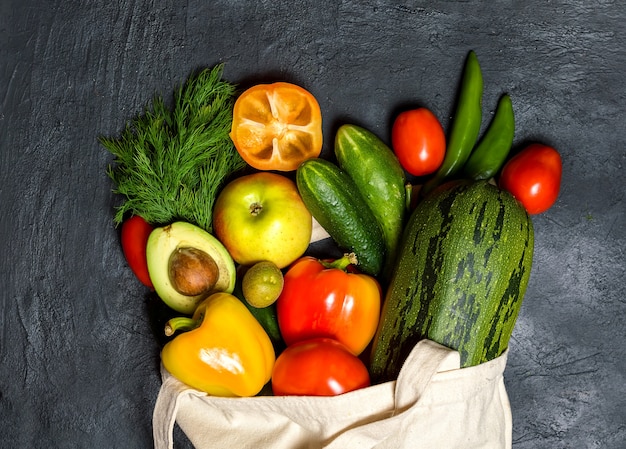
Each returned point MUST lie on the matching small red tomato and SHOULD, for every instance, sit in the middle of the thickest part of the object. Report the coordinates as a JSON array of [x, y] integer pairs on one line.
[[318, 367], [533, 177], [418, 140], [135, 233]]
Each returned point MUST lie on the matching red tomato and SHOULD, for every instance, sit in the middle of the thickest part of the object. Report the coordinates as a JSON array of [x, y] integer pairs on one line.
[[318, 367], [533, 177], [418, 140], [135, 232]]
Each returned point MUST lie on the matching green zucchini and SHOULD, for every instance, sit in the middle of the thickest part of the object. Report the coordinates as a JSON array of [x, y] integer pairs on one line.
[[334, 200], [460, 277], [380, 178]]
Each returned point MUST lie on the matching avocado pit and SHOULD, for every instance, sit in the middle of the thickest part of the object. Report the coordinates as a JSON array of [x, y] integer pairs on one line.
[[192, 271]]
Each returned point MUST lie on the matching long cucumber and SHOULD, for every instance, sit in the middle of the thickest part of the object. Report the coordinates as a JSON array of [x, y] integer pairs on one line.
[[380, 178]]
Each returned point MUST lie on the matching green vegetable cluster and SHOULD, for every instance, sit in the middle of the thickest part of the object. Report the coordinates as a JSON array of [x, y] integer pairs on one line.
[[464, 157], [170, 163]]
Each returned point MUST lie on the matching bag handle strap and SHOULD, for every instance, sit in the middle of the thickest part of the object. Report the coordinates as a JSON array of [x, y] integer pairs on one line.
[[164, 414], [425, 360]]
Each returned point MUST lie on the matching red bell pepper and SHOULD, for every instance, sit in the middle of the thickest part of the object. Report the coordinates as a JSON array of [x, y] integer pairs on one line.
[[134, 236], [329, 299]]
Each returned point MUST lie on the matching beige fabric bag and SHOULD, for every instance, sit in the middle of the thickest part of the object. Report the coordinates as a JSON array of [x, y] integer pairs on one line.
[[433, 404]]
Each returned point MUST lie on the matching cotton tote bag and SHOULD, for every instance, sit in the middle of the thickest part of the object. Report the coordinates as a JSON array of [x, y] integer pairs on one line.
[[433, 404]]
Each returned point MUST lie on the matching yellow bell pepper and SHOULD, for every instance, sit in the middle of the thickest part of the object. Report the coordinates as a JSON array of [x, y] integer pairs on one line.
[[224, 351]]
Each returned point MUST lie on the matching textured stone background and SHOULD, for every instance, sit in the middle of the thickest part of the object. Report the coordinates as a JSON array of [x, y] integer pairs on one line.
[[78, 359]]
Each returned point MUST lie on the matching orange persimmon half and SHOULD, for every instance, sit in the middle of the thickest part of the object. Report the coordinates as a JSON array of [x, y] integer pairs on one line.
[[277, 126]]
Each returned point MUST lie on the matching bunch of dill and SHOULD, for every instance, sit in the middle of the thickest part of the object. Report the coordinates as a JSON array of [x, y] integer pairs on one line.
[[171, 163]]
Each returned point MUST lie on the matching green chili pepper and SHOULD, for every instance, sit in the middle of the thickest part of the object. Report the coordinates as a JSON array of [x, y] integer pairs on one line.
[[465, 125], [493, 149]]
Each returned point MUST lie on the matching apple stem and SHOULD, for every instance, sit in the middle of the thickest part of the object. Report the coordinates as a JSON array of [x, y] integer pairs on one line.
[[255, 209], [342, 263], [180, 323]]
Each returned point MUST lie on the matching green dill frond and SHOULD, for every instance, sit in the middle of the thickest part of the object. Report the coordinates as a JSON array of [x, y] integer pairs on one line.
[[170, 164]]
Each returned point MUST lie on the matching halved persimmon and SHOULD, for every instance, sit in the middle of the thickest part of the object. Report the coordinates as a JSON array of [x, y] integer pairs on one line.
[[277, 126]]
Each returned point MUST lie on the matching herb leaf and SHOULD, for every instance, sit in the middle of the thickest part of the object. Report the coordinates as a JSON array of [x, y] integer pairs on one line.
[[170, 164]]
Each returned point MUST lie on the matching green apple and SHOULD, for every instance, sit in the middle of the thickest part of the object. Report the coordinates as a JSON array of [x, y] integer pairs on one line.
[[262, 217]]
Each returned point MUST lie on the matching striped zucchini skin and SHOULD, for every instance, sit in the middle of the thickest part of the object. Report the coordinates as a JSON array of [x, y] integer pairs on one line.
[[460, 277], [334, 200], [380, 178]]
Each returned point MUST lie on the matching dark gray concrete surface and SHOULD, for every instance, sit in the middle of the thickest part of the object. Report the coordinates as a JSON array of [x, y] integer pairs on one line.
[[78, 358]]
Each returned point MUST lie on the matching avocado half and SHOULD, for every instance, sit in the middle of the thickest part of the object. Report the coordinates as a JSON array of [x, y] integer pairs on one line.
[[165, 241]]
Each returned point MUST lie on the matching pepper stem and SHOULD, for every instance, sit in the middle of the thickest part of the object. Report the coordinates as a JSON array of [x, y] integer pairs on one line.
[[341, 263], [408, 196], [180, 323]]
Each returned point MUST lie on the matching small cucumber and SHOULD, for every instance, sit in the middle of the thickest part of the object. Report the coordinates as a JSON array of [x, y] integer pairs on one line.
[[335, 202], [380, 178]]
